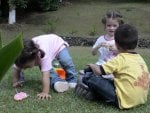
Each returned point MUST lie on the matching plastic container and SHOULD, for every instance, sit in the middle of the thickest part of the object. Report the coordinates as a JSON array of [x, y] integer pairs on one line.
[[61, 72], [58, 69]]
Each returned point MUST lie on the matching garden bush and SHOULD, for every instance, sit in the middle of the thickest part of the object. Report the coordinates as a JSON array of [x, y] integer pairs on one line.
[[43, 5]]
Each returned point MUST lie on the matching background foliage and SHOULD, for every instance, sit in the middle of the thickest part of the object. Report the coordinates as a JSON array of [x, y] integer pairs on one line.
[[18, 3]]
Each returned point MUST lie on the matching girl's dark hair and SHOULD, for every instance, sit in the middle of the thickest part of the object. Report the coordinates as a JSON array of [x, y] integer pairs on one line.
[[29, 52], [113, 15], [126, 36]]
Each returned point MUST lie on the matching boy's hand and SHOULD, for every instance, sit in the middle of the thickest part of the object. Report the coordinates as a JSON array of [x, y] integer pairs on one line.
[[95, 68], [43, 96]]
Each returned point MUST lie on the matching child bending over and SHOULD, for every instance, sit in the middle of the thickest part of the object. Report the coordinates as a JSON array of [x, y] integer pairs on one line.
[[41, 51]]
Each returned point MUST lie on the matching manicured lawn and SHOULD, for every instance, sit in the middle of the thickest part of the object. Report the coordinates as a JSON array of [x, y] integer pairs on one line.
[[61, 102]]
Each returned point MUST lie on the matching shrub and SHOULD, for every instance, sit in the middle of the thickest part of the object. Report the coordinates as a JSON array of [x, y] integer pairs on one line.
[[46, 5], [93, 31], [18, 3]]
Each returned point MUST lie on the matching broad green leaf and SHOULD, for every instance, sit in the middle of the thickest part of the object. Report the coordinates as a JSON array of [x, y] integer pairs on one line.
[[9, 53], [0, 41]]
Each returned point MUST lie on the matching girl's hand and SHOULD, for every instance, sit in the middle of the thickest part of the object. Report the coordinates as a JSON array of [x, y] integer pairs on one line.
[[43, 96], [104, 44], [95, 68], [112, 48]]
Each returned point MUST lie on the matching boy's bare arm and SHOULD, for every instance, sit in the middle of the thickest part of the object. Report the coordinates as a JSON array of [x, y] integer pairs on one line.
[[95, 68]]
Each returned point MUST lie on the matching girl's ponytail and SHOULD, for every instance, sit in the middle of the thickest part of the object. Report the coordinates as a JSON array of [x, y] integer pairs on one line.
[[113, 15]]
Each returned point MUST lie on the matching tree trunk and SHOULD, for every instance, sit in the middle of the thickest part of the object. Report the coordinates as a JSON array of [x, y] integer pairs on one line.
[[12, 15]]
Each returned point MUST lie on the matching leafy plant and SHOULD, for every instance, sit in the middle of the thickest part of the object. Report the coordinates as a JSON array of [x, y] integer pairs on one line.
[[46, 5], [93, 31], [0, 41], [73, 32], [9, 53], [19, 3], [54, 5]]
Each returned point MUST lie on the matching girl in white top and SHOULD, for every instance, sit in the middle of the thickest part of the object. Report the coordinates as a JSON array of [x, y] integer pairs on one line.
[[105, 44]]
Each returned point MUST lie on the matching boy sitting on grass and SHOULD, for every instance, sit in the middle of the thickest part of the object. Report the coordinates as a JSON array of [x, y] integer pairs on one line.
[[131, 76]]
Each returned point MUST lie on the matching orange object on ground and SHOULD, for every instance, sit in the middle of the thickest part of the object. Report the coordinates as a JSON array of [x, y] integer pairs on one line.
[[61, 72]]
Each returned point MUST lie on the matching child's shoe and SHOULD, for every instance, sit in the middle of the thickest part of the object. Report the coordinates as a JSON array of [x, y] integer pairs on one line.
[[110, 76], [72, 85], [81, 72], [80, 81], [83, 91], [61, 86]]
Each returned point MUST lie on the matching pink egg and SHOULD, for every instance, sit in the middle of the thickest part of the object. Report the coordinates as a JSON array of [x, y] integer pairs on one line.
[[20, 96]]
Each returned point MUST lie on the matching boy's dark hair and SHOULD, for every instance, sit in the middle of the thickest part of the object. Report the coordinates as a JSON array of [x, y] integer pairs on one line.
[[126, 36], [113, 15], [28, 53]]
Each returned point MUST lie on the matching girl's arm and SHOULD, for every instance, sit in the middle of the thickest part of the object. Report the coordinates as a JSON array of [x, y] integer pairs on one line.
[[46, 81], [94, 50], [15, 75], [46, 86]]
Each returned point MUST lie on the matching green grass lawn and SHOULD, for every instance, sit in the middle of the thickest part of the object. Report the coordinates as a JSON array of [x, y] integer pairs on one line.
[[61, 102]]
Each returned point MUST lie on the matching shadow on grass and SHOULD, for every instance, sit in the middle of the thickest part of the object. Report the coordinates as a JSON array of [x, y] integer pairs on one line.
[[32, 84]]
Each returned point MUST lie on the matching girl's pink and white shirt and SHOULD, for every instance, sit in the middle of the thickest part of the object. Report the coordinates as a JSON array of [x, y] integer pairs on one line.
[[51, 44]]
